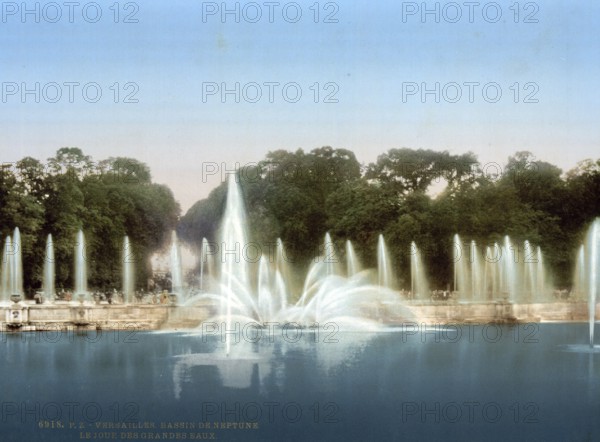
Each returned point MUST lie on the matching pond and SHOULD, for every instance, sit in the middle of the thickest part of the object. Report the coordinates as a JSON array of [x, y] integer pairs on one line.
[[465, 382]]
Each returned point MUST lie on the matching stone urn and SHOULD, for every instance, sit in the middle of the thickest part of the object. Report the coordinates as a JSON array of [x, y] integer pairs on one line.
[[97, 298], [16, 297], [172, 298], [81, 297]]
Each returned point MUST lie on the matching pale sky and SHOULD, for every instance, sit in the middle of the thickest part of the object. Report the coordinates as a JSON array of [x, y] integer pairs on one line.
[[179, 57]]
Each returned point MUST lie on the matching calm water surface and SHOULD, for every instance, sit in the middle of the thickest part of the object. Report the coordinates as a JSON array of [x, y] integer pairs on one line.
[[534, 383]]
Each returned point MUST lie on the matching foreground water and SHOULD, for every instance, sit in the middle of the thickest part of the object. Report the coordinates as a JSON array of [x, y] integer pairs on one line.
[[529, 382]]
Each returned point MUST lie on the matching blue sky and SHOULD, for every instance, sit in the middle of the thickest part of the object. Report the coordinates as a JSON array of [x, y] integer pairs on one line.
[[368, 55]]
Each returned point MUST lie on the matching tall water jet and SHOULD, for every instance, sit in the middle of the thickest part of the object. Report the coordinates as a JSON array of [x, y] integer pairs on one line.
[[477, 286], [6, 264], [234, 269], [176, 271], [509, 270], [494, 275], [541, 276], [282, 261], [352, 263], [281, 293], [265, 298], [461, 269], [48, 284], [384, 270], [206, 264], [530, 261], [486, 274], [17, 265], [419, 286], [128, 271], [80, 265], [330, 256], [593, 247]]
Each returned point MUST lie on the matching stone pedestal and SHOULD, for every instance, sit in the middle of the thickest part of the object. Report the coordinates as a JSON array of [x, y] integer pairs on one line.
[[505, 311], [17, 315], [80, 315]]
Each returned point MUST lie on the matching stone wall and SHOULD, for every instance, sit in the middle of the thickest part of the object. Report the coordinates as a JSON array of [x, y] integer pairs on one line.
[[27, 316], [501, 312]]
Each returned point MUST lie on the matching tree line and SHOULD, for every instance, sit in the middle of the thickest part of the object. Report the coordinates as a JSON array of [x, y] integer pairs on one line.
[[408, 195], [107, 199]]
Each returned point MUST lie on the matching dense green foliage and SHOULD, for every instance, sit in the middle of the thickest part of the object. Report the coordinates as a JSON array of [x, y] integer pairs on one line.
[[299, 196], [107, 200], [407, 195]]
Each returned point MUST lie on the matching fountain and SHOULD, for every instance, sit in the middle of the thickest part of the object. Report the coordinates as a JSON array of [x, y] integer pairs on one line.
[[477, 281], [419, 286], [48, 284], [509, 270], [330, 256], [176, 270], [17, 266], [530, 278], [12, 268], [282, 264], [259, 293], [6, 269], [541, 288], [460, 268], [206, 264], [500, 272], [80, 267], [12, 281], [592, 248], [234, 269], [352, 263], [384, 270], [492, 272], [128, 271]]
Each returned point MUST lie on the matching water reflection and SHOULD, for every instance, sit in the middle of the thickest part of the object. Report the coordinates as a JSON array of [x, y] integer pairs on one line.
[[264, 362]]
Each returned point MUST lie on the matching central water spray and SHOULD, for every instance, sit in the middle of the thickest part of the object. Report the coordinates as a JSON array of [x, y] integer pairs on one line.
[[234, 268]]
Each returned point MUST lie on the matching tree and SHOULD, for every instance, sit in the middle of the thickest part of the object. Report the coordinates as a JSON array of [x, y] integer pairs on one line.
[[407, 170], [107, 201]]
